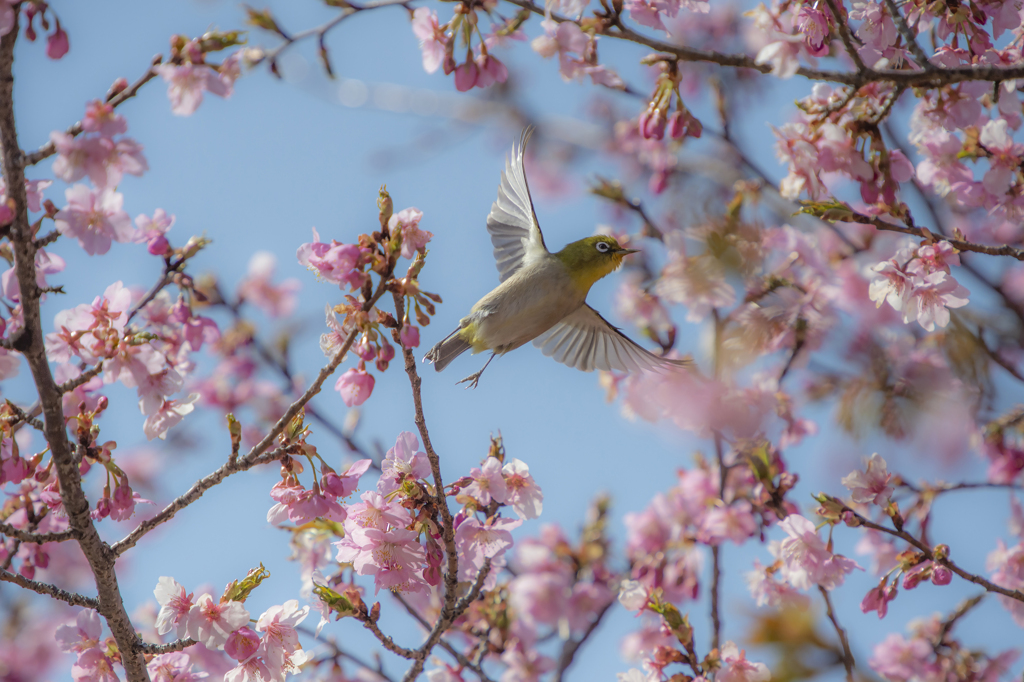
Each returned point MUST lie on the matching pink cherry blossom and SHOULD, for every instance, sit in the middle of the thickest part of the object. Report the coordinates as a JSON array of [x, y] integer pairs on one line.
[[432, 38], [175, 605], [766, 589], [487, 483], [376, 511], [210, 622], [930, 298], [83, 635], [525, 664], [152, 231], [334, 262], [806, 559], [477, 541], [343, 485], [394, 557], [402, 460], [633, 595], [188, 82], [522, 492], [173, 667], [736, 667], [100, 118], [355, 386], [276, 300], [872, 484], [167, 415], [900, 660], [93, 666], [878, 598], [734, 522], [1007, 568], [280, 640], [94, 219]]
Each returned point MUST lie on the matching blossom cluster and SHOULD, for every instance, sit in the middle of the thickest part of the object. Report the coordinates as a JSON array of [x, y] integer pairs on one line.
[[350, 266]]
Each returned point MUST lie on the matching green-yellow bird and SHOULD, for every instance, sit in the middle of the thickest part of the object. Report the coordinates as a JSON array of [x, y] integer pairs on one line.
[[542, 295]]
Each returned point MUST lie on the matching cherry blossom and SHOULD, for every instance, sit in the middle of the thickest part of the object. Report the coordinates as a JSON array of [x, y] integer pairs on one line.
[[871, 485], [355, 386], [522, 492], [211, 623], [175, 605], [94, 219], [806, 559]]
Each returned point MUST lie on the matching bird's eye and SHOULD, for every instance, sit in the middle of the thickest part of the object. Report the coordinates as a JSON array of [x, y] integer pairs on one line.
[[603, 247]]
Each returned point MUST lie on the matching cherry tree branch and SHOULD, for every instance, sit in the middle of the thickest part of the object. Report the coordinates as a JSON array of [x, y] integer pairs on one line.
[[37, 538], [443, 643], [844, 33], [176, 645], [115, 100], [49, 590], [932, 556], [572, 646], [848, 661], [259, 453], [908, 36], [930, 78], [923, 233]]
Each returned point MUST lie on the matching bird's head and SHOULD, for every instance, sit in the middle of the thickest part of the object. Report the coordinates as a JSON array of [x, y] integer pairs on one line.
[[590, 259]]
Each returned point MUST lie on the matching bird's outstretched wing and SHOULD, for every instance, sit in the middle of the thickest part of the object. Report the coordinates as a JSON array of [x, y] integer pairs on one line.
[[512, 223], [587, 341]]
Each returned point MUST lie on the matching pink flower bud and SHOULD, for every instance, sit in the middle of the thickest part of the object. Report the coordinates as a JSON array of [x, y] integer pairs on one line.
[[386, 352], [355, 386], [57, 43], [941, 575], [410, 336], [652, 124], [242, 644], [658, 182], [465, 76], [158, 246]]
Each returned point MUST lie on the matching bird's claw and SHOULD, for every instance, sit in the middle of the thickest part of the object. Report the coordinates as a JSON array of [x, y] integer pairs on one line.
[[473, 380]]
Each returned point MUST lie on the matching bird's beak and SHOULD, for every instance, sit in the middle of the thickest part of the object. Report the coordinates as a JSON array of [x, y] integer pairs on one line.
[[626, 252]]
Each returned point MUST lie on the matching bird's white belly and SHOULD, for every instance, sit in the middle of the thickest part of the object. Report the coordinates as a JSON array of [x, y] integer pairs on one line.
[[525, 306]]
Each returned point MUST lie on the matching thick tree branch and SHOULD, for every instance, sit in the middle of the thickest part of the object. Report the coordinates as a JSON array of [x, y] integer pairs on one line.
[[30, 343]]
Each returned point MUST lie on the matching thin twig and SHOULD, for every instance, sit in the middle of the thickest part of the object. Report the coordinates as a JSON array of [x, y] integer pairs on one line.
[[908, 36], [443, 643], [929, 554], [844, 33], [959, 244], [571, 646], [49, 590], [37, 538], [49, 149], [933, 78], [258, 454], [848, 661]]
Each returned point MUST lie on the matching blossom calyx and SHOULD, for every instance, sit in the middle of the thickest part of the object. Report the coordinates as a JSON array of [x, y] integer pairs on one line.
[[385, 205], [239, 590]]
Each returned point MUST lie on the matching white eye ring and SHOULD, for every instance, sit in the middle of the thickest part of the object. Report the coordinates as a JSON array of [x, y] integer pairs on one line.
[[603, 247]]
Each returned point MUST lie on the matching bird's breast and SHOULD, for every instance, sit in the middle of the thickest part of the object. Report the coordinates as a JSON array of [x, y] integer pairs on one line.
[[524, 306]]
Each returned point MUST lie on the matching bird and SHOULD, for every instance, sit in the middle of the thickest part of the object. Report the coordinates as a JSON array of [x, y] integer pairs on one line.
[[542, 295]]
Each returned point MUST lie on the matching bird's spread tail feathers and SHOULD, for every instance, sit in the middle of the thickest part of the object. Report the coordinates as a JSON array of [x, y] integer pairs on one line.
[[446, 350]]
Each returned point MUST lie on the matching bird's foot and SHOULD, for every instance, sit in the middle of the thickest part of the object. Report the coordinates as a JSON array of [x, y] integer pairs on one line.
[[472, 379]]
